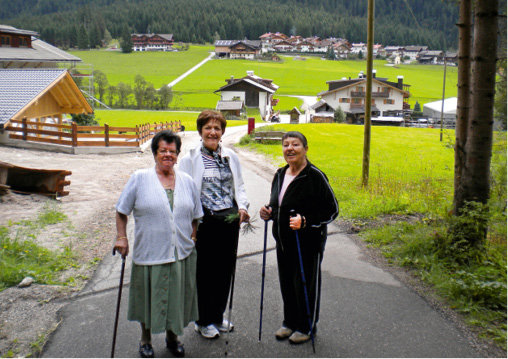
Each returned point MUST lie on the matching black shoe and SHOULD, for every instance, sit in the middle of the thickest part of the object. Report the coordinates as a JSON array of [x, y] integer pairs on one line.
[[146, 351], [176, 348]]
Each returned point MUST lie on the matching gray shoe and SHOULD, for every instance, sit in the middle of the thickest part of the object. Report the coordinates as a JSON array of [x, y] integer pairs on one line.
[[299, 338], [208, 332], [283, 333], [223, 327]]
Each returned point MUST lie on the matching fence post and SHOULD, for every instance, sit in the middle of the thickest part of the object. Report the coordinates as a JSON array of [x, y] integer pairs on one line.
[[24, 127], [106, 134], [74, 134]]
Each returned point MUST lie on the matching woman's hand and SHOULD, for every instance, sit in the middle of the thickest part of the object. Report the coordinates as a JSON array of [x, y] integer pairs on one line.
[[244, 215], [122, 246], [265, 213], [295, 222]]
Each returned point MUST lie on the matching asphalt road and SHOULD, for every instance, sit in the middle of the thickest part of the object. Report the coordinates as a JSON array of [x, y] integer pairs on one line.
[[365, 311]]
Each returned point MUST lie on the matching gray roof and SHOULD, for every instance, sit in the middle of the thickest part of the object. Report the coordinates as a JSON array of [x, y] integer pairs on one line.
[[20, 86], [230, 43], [12, 30], [40, 52]]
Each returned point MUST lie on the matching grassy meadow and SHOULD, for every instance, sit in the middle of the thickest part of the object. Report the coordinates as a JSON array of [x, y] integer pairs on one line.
[[131, 118], [295, 75], [410, 170]]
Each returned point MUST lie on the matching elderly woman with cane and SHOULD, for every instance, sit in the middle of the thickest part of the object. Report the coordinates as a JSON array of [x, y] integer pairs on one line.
[[217, 173], [166, 208], [301, 205]]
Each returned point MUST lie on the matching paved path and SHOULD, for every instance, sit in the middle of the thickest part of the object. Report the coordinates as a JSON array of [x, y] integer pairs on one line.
[[365, 311], [184, 75]]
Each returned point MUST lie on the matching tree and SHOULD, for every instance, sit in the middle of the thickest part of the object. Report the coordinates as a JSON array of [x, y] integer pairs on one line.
[[82, 38], [124, 90], [339, 116], [417, 107], [139, 90], [101, 81], [474, 185], [150, 96], [126, 41], [112, 91], [107, 37], [165, 96]]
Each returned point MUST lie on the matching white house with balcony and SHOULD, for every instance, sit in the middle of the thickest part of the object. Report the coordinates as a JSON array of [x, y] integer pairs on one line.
[[252, 90], [388, 98]]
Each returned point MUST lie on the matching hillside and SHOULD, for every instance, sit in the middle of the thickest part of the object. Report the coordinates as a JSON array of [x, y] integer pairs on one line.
[[429, 22]]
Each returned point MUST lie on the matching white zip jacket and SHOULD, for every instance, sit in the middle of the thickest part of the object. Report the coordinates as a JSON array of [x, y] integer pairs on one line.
[[192, 163], [158, 229]]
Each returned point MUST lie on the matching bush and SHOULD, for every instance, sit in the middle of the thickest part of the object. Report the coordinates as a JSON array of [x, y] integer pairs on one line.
[[339, 116]]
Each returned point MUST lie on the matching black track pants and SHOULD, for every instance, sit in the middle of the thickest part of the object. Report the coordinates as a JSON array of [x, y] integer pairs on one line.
[[216, 246]]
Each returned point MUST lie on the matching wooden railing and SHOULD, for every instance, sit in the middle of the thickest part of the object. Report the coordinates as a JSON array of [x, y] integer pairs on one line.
[[76, 136]]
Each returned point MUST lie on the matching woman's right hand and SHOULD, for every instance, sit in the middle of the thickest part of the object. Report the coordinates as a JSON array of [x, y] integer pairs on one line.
[[265, 213], [122, 246]]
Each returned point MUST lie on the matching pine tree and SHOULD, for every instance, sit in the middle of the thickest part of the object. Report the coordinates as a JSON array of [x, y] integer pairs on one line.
[[82, 38]]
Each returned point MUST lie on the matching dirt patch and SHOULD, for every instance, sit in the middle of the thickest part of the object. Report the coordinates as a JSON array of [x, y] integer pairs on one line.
[[28, 315]]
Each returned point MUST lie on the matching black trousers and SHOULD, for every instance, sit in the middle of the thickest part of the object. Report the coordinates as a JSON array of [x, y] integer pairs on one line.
[[291, 285], [217, 242]]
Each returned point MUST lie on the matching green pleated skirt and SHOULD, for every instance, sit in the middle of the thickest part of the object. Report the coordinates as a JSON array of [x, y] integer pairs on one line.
[[164, 297]]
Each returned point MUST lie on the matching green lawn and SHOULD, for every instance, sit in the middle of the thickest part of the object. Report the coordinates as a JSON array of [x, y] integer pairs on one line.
[[131, 118], [308, 77], [410, 170], [295, 77], [156, 67]]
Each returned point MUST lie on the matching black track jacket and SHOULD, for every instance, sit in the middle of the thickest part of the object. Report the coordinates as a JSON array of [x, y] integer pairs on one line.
[[311, 196]]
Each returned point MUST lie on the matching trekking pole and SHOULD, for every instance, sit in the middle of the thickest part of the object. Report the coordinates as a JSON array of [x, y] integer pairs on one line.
[[292, 213], [231, 291], [117, 305], [263, 281]]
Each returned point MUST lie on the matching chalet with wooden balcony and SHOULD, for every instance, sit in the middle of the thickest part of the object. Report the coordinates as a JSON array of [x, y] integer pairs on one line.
[[237, 49], [22, 49], [388, 98], [251, 90], [152, 42]]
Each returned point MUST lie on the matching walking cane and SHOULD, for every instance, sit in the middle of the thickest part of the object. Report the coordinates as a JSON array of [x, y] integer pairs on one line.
[[117, 305], [307, 306], [231, 291], [263, 282]]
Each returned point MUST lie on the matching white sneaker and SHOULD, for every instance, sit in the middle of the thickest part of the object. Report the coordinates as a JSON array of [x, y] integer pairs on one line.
[[208, 332], [223, 327]]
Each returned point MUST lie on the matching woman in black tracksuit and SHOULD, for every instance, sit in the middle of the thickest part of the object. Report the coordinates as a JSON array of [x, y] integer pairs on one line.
[[303, 188]]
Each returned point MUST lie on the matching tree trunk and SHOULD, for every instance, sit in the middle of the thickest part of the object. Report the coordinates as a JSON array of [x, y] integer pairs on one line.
[[463, 85], [476, 179]]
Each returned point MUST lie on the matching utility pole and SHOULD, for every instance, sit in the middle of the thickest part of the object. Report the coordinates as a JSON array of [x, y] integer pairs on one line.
[[442, 99], [368, 96]]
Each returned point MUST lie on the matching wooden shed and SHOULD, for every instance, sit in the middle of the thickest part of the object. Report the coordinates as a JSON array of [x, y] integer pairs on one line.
[[294, 116], [43, 95]]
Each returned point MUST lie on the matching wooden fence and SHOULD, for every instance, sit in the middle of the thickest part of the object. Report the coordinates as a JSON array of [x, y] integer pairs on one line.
[[76, 136]]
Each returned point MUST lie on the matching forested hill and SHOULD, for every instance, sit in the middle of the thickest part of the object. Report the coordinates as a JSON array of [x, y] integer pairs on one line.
[[398, 22]]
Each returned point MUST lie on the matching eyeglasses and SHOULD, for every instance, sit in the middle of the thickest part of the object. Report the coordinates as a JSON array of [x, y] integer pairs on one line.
[[167, 152]]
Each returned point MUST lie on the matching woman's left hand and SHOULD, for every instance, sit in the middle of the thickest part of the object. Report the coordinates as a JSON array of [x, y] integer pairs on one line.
[[244, 215], [295, 222]]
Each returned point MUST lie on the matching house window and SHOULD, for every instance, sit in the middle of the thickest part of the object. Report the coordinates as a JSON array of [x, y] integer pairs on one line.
[[23, 42], [6, 40], [389, 101], [359, 88], [344, 100], [357, 101]]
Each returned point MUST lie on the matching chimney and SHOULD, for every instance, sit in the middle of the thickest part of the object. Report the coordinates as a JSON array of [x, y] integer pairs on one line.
[[250, 73], [374, 73], [231, 79], [400, 80], [360, 75]]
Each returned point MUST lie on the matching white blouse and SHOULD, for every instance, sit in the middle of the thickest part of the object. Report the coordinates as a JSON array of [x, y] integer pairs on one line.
[[158, 229]]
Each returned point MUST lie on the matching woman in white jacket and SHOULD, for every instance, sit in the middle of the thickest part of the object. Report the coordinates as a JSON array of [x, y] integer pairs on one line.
[[217, 174]]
